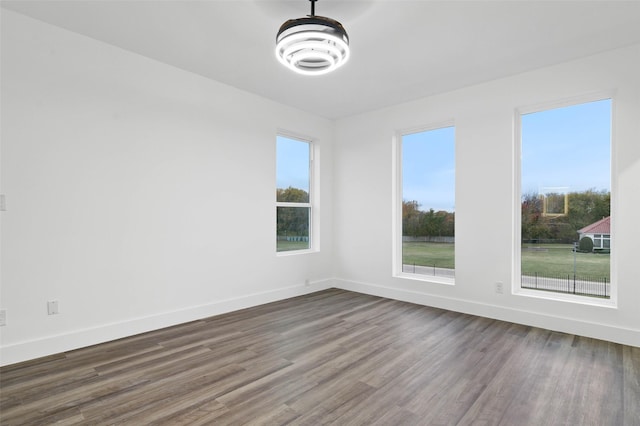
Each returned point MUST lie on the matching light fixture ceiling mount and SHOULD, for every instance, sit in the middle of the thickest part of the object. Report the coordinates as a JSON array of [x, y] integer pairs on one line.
[[313, 45]]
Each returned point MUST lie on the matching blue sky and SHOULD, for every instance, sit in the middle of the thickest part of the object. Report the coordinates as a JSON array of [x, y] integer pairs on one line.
[[563, 150], [292, 163], [567, 148], [428, 169]]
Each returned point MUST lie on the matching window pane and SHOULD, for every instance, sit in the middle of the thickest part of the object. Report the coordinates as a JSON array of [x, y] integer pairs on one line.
[[292, 170], [566, 193], [428, 202], [293, 186], [292, 228]]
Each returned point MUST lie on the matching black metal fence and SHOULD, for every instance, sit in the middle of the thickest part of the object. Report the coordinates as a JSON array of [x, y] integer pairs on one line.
[[569, 283], [434, 270]]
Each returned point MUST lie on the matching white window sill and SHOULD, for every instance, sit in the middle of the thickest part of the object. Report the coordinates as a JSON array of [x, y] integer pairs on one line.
[[295, 252], [425, 278], [570, 298]]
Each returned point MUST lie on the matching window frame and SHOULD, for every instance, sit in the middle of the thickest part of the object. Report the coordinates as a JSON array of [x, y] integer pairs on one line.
[[397, 198], [597, 240], [312, 204], [516, 288]]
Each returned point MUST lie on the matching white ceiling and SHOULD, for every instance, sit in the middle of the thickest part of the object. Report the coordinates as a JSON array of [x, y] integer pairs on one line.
[[401, 50]]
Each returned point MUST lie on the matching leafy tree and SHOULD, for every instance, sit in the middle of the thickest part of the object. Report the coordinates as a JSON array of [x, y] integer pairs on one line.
[[533, 223], [588, 207], [448, 226], [432, 223], [411, 215], [585, 208], [292, 195], [292, 221], [418, 223]]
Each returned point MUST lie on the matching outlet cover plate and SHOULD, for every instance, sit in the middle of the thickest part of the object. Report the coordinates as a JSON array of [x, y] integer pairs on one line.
[[52, 307]]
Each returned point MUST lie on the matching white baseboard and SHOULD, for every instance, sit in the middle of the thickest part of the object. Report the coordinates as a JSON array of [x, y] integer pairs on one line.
[[50, 345], [594, 330]]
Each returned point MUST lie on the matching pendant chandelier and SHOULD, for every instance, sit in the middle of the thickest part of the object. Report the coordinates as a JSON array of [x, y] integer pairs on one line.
[[313, 45]]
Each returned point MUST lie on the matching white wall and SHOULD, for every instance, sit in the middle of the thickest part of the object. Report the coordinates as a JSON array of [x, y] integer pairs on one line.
[[138, 195], [484, 120]]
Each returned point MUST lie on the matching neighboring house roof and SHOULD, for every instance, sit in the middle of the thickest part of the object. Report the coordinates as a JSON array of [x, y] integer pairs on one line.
[[603, 226]]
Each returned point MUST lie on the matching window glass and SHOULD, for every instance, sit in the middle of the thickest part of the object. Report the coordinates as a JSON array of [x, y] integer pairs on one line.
[[428, 203], [293, 194], [292, 170], [565, 199]]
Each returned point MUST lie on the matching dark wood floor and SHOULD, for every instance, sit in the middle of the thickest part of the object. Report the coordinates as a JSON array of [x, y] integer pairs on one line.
[[332, 357]]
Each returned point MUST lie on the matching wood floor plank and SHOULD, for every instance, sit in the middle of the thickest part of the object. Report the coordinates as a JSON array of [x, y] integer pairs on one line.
[[631, 385], [536, 398], [332, 357], [205, 413], [508, 380]]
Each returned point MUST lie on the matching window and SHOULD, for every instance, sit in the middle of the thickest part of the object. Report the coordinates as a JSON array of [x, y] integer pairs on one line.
[[293, 194], [597, 241], [427, 197], [565, 199], [601, 241]]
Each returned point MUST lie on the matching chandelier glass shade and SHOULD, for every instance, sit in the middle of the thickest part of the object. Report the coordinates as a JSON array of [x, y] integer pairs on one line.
[[313, 45]]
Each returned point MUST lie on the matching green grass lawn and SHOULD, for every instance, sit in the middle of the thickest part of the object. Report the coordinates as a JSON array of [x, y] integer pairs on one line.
[[557, 259], [292, 245], [550, 260], [428, 254]]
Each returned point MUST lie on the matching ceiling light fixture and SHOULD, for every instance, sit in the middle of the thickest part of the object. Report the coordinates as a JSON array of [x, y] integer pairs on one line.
[[312, 45]]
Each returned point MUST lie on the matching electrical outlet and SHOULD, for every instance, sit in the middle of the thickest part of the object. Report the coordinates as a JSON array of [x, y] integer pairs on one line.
[[52, 307], [3, 318], [499, 288]]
